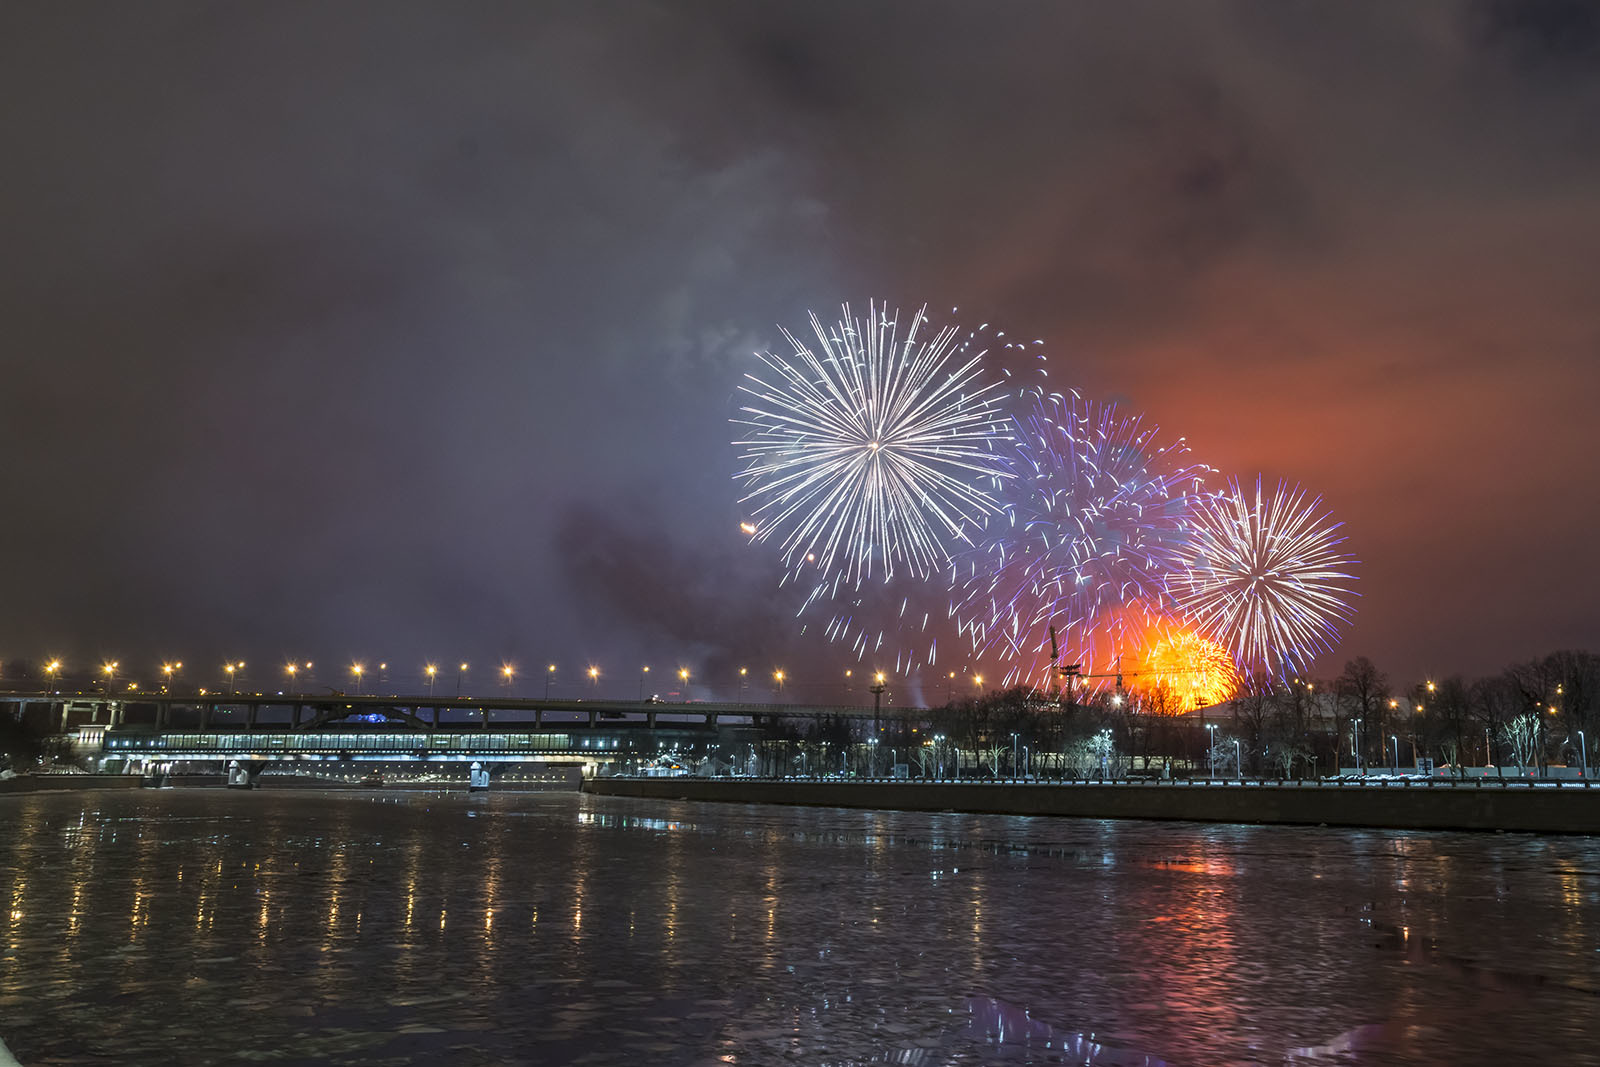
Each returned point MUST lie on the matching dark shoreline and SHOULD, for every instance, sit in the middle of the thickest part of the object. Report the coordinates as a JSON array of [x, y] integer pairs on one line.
[[1515, 808]]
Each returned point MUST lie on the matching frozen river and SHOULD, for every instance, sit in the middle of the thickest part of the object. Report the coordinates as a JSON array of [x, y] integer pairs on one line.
[[204, 926]]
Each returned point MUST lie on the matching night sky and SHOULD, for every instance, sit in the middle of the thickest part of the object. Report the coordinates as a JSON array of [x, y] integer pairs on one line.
[[405, 332]]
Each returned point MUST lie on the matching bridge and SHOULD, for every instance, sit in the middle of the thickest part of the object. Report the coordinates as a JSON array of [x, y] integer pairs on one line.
[[206, 711], [138, 729]]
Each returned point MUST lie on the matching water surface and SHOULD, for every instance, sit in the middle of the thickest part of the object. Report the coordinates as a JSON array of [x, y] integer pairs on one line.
[[205, 926]]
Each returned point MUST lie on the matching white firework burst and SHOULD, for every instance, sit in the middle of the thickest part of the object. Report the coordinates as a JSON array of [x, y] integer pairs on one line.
[[1264, 577], [869, 451]]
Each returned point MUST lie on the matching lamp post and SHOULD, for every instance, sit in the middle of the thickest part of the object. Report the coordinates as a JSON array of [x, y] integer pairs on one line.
[[51, 670], [167, 671], [1211, 748], [432, 671], [109, 669], [355, 668], [778, 677], [643, 671], [1356, 740], [744, 675], [1396, 742], [460, 670], [594, 676], [1238, 760], [291, 669], [872, 751], [509, 674], [877, 705], [1583, 756], [1013, 756], [683, 683]]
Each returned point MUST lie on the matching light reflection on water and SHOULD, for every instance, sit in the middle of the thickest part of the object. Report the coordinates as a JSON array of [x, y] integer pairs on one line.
[[195, 926]]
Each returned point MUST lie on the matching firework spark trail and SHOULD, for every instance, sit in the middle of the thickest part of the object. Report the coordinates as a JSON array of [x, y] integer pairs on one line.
[[1093, 523], [1264, 576], [870, 452]]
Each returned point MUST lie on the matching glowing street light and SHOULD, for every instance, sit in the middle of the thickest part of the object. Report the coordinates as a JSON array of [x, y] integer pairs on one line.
[[51, 670], [643, 672], [549, 676], [167, 671], [109, 669], [460, 670], [291, 669], [594, 676], [778, 676], [1211, 748], [432, 671], [358, 670], [744, 674], [683, 682], [508, 673]]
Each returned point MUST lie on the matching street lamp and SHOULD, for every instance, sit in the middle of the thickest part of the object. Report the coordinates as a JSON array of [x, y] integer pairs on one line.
[[778, 675], [1356, 739], [877, 705], [744, 674], [1583, 756], [51, 670], [594, 676], [460, 670], [549, 676], [1238, 761], [167, 670], [358, 670], [1013, 756], [642, 672], [109, 669], [508, 673], [291, 669], [432, 671], [1211, 746], [683, 683], [1396, 743]]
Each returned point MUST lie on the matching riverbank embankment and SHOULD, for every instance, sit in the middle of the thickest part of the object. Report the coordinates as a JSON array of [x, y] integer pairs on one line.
[[1544, 808]]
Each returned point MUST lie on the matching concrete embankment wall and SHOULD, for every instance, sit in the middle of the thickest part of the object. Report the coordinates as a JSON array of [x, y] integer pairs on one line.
[[1546, 809]]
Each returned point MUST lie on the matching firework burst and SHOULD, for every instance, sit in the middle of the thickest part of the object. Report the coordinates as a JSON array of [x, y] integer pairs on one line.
[[1183, 670], [1263, 576], [1097, 516], [870, 451]]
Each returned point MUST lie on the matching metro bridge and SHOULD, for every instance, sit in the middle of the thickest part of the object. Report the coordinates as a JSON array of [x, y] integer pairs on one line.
[[140, 727]]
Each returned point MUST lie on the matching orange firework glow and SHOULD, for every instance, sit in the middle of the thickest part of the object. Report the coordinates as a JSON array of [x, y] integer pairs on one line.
[[1184, 664]]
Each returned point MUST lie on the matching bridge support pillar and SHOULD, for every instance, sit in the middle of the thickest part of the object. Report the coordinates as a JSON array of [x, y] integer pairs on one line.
[[436, 716], [294, 718], [593, 716], [64, 707], [485, 711], [711, 718], [205, 716], [650, 719], [250, 719], [477, 778], [538, 717]]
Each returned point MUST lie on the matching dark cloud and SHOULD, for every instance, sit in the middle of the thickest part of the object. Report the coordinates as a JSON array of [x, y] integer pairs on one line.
[[326, 328]]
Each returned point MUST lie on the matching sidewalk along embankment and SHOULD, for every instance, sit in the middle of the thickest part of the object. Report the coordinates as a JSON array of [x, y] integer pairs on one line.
[[1396, 806]]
